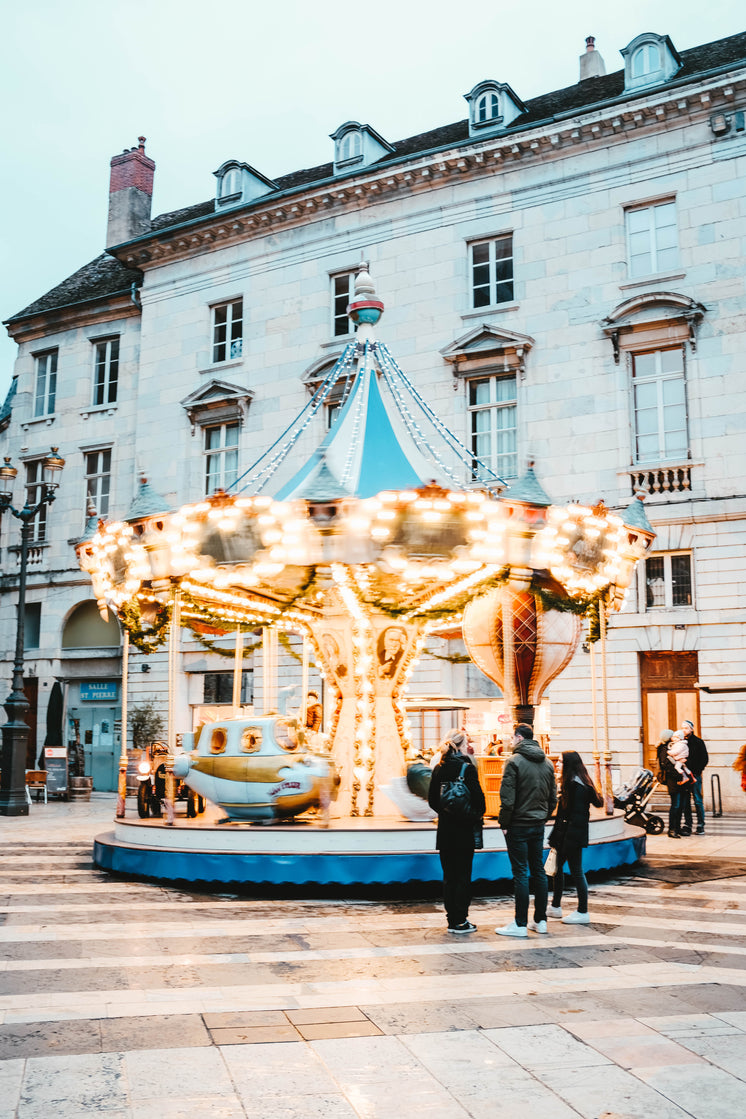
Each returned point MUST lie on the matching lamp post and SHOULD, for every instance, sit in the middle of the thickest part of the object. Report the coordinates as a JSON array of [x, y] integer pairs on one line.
[[15, 732]]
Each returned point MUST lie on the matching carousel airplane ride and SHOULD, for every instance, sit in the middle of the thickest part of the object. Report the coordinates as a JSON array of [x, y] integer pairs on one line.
[[391, 530]]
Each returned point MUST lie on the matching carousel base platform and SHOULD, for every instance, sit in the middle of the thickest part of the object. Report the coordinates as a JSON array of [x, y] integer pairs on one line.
[[352, 853]]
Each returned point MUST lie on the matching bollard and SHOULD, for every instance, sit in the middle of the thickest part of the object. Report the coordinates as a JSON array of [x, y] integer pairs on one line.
[[717, 803]]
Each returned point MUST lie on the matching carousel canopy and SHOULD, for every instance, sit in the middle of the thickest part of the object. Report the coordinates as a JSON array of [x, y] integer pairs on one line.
[[384, 437], [390, 507]]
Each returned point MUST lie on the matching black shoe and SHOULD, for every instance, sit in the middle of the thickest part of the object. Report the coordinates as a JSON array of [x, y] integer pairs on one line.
[[466, 927], [700, 831], [686, 831], [674, 835]]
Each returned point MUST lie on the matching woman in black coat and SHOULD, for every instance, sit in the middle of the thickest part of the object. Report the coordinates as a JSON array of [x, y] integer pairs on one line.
[[669, 776], [456, 834], [569, 835]]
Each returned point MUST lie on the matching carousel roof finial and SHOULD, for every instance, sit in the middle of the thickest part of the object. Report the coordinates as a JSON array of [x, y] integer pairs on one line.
[[365, 308], [527, 490], [634, 516], [146, 502]]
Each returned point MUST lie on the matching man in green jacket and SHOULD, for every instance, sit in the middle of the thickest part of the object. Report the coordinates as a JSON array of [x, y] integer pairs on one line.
[[528, 795]]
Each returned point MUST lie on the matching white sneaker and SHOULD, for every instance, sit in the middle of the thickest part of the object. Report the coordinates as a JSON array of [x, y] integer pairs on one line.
[[576, 919], [538, 926], [554, 911], [512, 930]]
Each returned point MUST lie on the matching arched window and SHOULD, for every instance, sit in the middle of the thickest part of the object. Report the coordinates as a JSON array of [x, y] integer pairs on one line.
[[351, 146], [231, 183], [646, 60], [86, 629], [488, 107]]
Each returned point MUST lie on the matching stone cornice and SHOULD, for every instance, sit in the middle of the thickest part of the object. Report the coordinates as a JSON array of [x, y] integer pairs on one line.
[[90, 312], [656, 109]]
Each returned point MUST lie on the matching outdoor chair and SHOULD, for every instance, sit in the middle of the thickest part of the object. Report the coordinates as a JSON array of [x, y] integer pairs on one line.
[[36, 779]]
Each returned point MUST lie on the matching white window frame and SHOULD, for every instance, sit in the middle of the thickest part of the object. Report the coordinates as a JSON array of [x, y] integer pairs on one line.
[[350, 147], [503, 462], [668, 603], [45, 383], [498, 293], [341, 318], [98, 478], [106, 362], [640, 66], [654, 252], [487, 107], [230, 184], [220, 455], [660, 379], [233, 346]]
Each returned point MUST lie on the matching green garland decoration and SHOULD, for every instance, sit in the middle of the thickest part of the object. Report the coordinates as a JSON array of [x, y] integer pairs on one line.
[[212, 647], [145, 638]]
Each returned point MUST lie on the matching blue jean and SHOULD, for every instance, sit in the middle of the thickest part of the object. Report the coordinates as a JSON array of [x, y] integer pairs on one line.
[[526, 852], [694, 793]]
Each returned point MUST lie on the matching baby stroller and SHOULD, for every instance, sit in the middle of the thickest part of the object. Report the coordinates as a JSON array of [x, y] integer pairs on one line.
[[633, 798]]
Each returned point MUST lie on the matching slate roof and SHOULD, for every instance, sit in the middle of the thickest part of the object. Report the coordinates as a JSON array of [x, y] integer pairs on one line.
[[7, 409], [106, 276]]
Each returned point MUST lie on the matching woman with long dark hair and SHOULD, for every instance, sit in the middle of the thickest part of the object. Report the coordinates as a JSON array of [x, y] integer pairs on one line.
[[457, 833], [569, 835]]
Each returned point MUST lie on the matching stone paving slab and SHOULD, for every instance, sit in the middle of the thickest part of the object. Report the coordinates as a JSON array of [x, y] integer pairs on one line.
[[133, 1001]]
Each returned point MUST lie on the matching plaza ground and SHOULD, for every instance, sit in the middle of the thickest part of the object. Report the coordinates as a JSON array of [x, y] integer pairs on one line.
[[133, 1000]]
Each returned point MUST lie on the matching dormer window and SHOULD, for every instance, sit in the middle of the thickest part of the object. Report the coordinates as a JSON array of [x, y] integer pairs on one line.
[[487, 108], [238, 183], [231, 183], [357, 145], [649, 60], [351, 147], [645, 61], [492, 105]]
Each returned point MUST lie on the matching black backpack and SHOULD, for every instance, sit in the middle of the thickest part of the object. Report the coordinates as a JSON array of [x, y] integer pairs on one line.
[[455, 795]]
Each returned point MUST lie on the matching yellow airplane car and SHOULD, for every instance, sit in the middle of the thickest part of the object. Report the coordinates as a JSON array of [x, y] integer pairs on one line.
[[257, 769]]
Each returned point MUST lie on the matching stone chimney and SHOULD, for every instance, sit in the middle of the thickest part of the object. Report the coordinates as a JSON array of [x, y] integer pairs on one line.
[[130, 194], [591, 63]]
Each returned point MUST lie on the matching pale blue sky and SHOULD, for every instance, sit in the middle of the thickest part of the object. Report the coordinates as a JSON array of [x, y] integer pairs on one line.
[[262, 82]]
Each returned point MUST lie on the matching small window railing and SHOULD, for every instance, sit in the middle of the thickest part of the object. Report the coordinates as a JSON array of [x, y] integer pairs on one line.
[[656, 480]]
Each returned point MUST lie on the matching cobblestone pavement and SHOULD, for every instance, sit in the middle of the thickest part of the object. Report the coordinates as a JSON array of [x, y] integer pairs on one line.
[[137, 1001]]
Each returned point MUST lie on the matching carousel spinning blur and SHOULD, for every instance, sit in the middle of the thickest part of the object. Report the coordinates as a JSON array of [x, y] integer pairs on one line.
[[390, 531]]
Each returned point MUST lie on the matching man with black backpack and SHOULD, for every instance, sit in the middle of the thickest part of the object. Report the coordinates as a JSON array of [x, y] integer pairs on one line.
[[528, 795], [456, 795]]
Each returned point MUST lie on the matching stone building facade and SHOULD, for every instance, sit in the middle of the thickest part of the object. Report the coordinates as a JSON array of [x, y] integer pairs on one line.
[[563, 279]]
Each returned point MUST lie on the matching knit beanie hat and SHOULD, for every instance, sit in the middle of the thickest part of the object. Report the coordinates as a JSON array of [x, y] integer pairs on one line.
[[666, 735], [455, 739]]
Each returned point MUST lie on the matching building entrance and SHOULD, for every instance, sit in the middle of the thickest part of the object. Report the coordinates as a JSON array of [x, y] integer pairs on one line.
[[93, 719], [669, 695]]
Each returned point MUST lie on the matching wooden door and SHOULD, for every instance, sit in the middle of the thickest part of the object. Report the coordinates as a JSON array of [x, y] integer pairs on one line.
[[31, 691], [669, 695]]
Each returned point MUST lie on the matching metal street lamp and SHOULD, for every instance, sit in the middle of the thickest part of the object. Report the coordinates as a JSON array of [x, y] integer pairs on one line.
[[15, 732]]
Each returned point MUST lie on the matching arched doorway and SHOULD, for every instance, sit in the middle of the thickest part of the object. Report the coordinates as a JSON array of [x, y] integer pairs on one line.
[[90, 652]]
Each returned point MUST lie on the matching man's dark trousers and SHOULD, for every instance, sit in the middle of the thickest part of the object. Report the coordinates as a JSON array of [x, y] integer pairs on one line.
[[526, 850]]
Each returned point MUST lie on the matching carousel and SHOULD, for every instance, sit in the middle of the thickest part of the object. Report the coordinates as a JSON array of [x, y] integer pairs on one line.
[[389, 531]]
